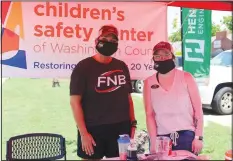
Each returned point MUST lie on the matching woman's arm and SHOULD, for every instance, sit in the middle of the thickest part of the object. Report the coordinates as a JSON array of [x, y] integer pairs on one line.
[[150, 116], [196, 102]]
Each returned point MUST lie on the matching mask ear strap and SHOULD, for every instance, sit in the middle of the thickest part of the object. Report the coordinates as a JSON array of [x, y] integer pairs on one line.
[[157, 76]]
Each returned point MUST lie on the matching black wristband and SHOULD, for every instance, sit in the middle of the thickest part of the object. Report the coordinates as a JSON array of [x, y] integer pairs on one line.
[[134, 123], [199, 138]]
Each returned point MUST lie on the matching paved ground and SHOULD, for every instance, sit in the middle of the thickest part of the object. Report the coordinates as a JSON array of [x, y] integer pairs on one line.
[[224, 120], [210, 116]]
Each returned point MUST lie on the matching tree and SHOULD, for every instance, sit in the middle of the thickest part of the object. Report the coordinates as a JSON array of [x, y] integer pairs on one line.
[[174, 23], [215, 29], [175, 36], [227, 21]]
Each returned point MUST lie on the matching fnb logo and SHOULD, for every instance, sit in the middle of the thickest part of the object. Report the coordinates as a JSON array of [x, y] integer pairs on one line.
[[11, 33], [110, 81]]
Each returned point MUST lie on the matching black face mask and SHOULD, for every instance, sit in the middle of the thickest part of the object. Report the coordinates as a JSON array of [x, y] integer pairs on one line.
[[164, 67], [106, 48]]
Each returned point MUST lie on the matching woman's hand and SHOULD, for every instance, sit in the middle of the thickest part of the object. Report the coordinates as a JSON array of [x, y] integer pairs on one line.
[[152, 150], [197, 146], [152, 147], [87, 143]]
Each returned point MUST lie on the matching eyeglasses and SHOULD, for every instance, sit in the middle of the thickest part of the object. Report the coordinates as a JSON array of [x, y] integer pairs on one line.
[[161, 56]]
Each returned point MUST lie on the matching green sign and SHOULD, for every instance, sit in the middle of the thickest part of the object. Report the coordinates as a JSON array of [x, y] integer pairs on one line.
[[196, 42]]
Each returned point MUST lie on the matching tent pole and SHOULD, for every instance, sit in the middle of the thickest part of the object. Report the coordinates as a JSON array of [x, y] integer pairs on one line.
[[182, 50]]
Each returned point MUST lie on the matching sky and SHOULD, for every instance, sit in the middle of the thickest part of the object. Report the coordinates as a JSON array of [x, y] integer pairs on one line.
[[175, 12]]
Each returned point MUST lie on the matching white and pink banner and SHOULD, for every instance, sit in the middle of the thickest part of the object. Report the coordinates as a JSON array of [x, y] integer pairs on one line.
[[47, 39]]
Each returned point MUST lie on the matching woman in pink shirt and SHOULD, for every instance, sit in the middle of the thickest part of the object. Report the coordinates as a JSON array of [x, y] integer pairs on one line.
[[172, 103]]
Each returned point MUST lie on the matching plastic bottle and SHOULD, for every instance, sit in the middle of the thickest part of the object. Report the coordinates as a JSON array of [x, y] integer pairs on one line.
[[123, 143], [132, 151]]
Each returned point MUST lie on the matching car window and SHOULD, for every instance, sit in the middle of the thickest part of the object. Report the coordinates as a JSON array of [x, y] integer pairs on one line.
[[179, 61], [216, 52], [223, 59]]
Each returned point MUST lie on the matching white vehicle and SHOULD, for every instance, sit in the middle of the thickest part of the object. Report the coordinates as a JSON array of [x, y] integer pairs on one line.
[[218, 92], [137, 85]]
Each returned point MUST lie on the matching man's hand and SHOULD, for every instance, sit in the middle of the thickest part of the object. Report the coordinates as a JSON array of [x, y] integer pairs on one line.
[[197, 146], [87, 144]]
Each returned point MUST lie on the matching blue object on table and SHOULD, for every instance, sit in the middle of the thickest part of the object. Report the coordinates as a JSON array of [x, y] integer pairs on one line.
[[124, 139]]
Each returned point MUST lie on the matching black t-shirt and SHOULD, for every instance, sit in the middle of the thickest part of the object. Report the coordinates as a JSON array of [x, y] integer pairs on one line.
[[104, 89]]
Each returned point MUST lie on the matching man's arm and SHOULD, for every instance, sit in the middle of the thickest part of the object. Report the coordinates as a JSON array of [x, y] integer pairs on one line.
[[132, 115], [77, 88], [131, 105], [131, 108], [86, 138], [150, 116], [75, 102], [196, 103], [130, 90]]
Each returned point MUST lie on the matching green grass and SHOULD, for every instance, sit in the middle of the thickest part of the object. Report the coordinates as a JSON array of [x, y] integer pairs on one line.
[[32, 105], [217, 140]]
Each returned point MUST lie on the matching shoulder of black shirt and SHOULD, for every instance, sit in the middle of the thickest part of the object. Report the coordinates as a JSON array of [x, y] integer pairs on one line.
[[120, 61], [84, 62], [88, 59]]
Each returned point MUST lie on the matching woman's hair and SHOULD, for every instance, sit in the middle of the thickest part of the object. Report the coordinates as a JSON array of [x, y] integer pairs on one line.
[[173, 56]]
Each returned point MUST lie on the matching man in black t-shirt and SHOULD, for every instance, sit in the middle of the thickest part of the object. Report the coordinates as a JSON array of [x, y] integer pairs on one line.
[[100, 90]]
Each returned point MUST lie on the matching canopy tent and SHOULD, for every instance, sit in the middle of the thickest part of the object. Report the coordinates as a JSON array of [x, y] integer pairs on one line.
[[209, 5], [55, 26]]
